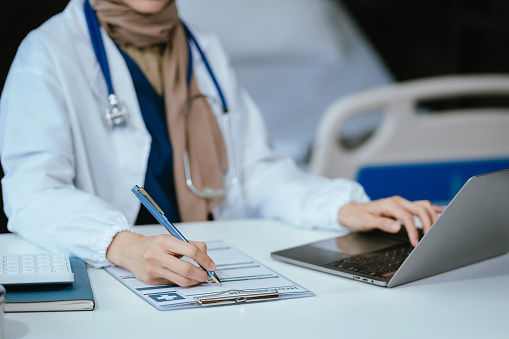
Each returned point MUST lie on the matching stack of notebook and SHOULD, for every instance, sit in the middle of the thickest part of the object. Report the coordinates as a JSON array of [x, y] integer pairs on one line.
[[75, 296]]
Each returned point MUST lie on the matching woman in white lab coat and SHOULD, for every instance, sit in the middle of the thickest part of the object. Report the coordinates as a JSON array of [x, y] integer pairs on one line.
[[68, 174]]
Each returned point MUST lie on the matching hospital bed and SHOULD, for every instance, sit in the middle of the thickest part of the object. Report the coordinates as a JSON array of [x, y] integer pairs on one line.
[[435, 134]]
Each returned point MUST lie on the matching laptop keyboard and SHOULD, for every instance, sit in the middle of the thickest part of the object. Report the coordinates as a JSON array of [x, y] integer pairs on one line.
[[381, 264]]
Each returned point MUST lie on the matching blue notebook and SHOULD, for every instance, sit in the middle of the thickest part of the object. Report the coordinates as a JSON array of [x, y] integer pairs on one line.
[[77, 296]]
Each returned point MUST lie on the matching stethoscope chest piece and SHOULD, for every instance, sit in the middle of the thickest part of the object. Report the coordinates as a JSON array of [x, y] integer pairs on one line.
[[116, 114]]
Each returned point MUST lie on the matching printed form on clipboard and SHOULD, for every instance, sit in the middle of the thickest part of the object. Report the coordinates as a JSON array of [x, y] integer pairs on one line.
[[244, 280]]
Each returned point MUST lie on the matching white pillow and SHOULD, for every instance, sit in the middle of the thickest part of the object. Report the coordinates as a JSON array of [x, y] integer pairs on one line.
[[268, 28]]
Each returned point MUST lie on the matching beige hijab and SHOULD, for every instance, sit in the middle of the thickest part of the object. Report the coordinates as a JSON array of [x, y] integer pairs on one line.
[[205, 142]]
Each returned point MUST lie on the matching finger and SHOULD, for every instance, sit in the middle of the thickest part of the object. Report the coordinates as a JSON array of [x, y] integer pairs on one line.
[[432, 211], [201, 245], [364, 217], [393, 208], [164, 276], [421, 209], [192, 251], [156, 273], [182, 272], [383, 223]]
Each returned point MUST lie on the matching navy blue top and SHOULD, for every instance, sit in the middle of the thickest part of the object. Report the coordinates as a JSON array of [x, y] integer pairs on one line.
[[159, 181]]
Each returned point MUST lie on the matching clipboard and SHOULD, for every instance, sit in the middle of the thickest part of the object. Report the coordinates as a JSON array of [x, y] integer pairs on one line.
[[244, 281], [237, 297]]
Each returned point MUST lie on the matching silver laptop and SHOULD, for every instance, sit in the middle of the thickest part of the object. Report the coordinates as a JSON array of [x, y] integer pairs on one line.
[[473, 227]]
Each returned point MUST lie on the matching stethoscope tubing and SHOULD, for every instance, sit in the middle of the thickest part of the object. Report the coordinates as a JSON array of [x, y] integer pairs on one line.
[[191, 37], [98, 44]]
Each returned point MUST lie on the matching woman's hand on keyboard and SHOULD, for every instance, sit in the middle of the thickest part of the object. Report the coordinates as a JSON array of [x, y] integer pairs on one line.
[[385, 214]]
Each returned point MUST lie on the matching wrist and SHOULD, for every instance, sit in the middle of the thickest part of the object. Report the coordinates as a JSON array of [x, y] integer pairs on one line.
[[121, 247], [343, 213]]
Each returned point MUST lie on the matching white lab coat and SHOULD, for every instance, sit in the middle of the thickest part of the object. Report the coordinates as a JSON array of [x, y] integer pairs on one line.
[[68, 175]]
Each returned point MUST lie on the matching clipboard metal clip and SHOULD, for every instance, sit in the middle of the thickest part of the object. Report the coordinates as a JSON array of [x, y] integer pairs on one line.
[[237, 296]]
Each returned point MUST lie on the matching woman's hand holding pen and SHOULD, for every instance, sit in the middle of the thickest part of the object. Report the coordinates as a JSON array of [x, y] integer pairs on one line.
[[383, 213], [156, 259]]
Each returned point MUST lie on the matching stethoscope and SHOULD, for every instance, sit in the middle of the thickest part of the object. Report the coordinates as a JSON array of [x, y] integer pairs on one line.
[[117, 114]]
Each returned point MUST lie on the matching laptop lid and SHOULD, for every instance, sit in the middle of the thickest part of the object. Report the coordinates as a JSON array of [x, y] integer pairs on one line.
[[474, 227]]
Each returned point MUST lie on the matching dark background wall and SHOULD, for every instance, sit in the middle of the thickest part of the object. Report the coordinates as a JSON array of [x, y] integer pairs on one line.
[[420, 38], [17, 18]]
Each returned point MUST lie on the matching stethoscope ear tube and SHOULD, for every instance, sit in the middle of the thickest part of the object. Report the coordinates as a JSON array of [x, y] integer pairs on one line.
[[232, 169], [98, 44], [116, 114], [191, 37]]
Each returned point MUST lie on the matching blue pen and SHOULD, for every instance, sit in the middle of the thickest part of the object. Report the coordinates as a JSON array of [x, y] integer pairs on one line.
[[156, 211]]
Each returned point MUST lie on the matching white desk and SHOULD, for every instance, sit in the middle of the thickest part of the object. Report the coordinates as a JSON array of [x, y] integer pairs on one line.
[[471, 302]]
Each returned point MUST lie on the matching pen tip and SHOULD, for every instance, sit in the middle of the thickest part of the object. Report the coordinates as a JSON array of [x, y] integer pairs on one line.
[[216, 279]]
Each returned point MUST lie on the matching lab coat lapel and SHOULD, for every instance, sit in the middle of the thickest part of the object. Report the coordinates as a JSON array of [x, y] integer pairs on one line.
[[125, 149], [133, 141], [131, 144]]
